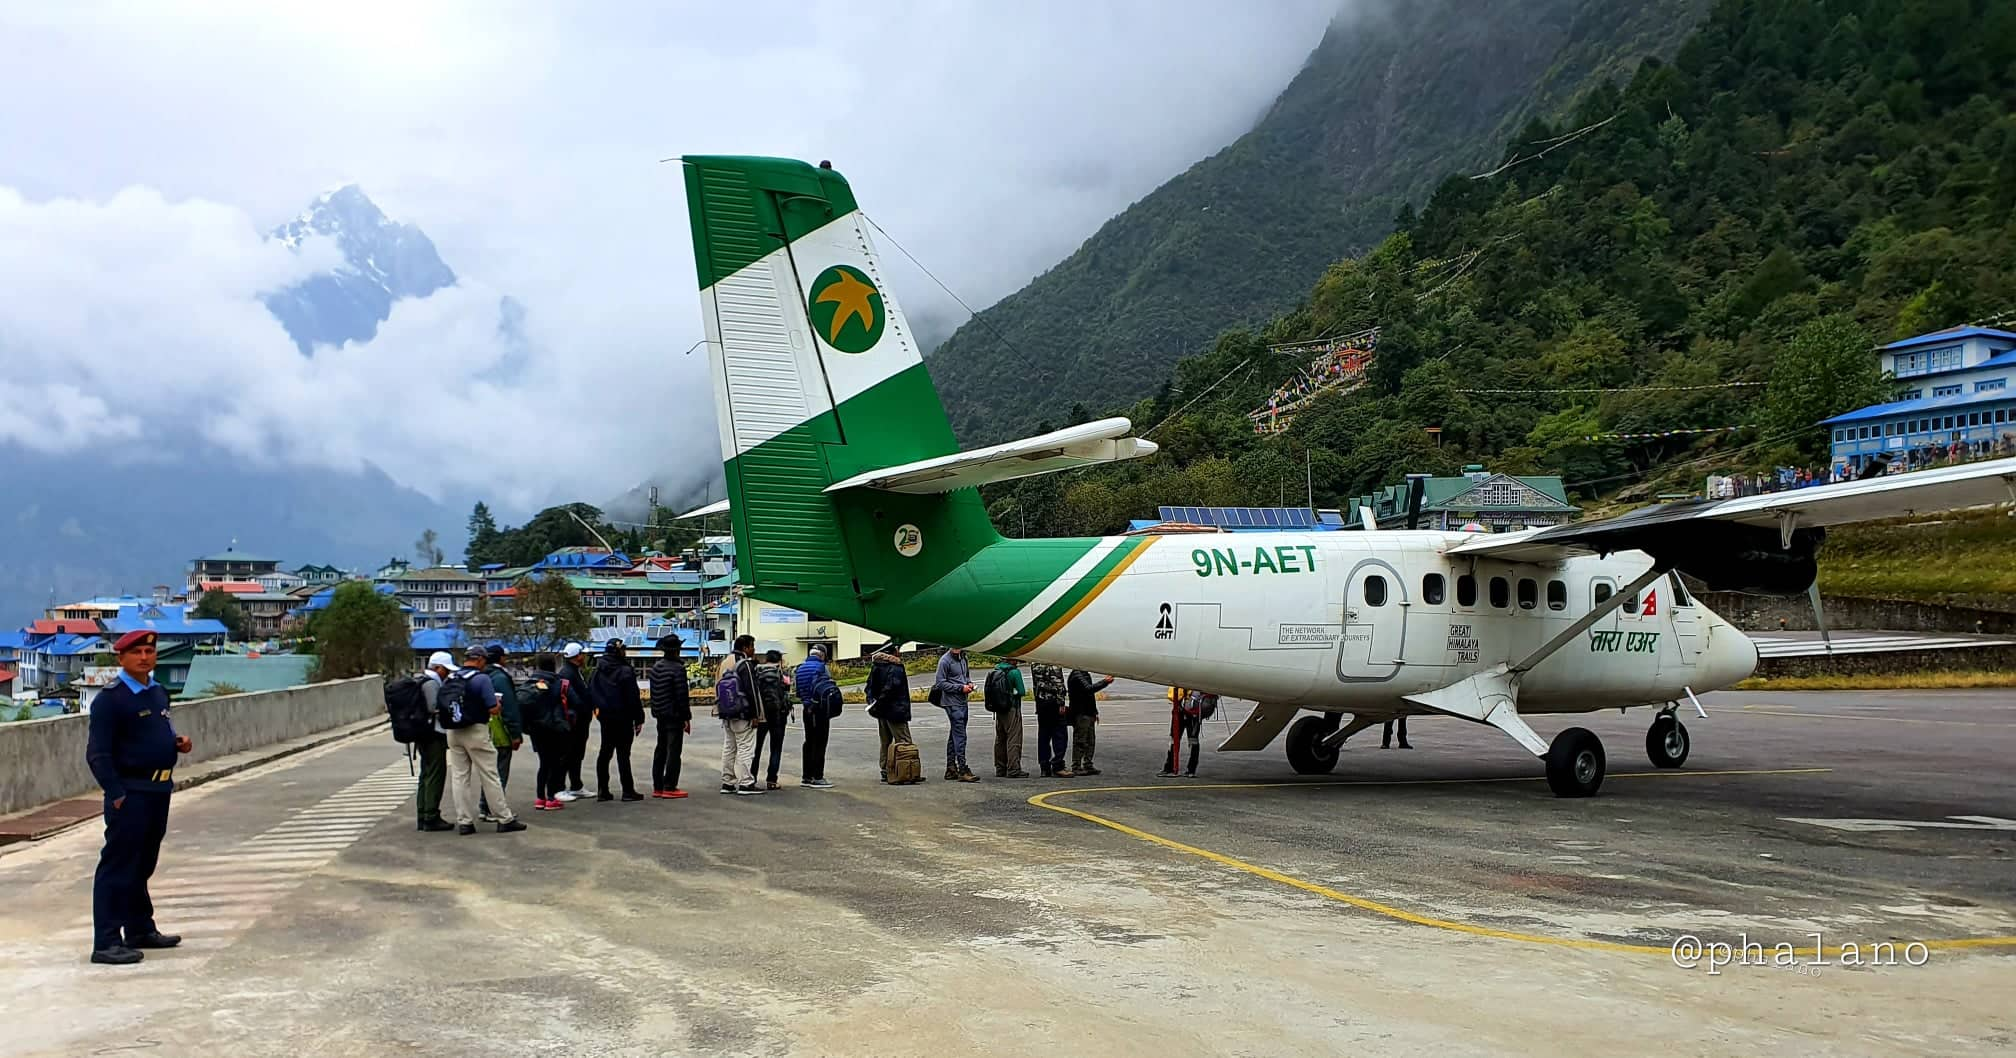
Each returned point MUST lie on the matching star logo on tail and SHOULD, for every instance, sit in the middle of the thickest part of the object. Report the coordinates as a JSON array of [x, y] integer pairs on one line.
[[846, 309]]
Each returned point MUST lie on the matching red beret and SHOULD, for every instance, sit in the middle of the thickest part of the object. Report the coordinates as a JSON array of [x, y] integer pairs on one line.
[[139, 637]]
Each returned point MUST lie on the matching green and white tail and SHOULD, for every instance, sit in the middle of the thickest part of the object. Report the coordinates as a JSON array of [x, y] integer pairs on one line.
[[818, 382], [817, 377]]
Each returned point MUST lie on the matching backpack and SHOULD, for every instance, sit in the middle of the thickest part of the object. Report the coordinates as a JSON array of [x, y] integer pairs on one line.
[[451, 709], [905, 766], [729, 701], [770, 688], [406, 703], [1049, 684], [1000, 693], [545, 705]]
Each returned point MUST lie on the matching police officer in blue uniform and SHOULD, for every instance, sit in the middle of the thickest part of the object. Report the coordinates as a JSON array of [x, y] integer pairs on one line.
[[132, 753]]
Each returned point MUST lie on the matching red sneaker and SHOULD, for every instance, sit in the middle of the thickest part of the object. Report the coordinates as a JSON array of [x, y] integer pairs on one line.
[[555, 806], [675, 793], [659, 794]]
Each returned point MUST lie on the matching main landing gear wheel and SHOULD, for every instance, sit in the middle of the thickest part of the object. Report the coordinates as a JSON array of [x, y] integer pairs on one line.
[[1305, 745], [1575, 763], [1666, 742]]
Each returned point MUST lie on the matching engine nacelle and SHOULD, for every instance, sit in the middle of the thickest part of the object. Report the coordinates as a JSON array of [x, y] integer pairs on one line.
[[1740, 558]]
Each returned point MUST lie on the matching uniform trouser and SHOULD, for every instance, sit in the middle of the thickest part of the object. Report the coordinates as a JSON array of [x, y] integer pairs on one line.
[[665, 756], [738, 738], [1008, 741], [1084, 740], [1386, 733], [1181, 725], [1053, 737], [955, 738], [121, 909], [891, 732], [774, 733], [817, 729], [616, 740], [432, 749], [472, 761], [554, 749], [503, 773], [577, 750]]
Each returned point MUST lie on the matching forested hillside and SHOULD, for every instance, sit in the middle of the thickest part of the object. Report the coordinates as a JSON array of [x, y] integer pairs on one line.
[[1806, 177], [1388, 102]]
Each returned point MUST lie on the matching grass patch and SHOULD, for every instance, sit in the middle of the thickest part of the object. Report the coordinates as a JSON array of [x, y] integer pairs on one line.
[[1900, 681], [1954, 559]]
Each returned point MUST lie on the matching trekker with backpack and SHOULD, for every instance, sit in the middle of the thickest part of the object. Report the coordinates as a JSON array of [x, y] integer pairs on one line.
[[507, 730], [546, 719], [581, 718], [672, 707], [429, 744], [463, 706], [1053, 720], [737, 709], [622, 716], [1003, 696], [889, 704], [821, 695], [1188, 709], [774, 694], [950, 691], [1084, 692]]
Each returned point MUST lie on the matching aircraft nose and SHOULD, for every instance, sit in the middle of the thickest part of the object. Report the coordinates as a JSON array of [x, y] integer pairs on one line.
[[1731, 656]]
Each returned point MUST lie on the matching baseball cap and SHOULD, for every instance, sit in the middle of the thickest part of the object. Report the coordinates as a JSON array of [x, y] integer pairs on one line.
[[440, 659], [571, 650], [495, 651], [475, 652]]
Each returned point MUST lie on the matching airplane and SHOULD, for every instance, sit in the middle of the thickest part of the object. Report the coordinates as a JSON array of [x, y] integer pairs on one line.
[[850, 498]]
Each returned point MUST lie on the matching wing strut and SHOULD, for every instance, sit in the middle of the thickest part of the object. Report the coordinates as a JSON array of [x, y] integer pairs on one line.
[[1596, 613]]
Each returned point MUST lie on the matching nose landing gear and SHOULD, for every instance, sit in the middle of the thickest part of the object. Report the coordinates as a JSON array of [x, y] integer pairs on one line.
[[1666, 741]]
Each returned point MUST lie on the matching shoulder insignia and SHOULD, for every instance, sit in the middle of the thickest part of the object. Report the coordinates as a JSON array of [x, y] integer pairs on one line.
[[145, 712]]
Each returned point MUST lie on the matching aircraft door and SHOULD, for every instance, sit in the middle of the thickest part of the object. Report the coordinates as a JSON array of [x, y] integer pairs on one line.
[[1375, 623], [1686, 623]]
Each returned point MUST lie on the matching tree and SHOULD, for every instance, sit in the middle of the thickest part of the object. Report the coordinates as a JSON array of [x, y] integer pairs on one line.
[[550, 613], [360, 632], [484, 623], [220, 606], [482, 535], [1829, 367], [428, 549]]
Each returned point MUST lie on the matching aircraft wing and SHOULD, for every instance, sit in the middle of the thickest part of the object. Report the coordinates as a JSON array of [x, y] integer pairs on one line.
[[1104, 441], [717, 507], [1690, 534]]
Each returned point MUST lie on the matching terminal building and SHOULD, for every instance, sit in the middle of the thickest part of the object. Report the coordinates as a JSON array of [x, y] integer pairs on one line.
[[1501, 503], [1952, 388]]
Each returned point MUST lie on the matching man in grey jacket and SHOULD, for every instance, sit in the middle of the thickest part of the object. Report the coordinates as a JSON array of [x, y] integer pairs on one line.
[[954, 687]]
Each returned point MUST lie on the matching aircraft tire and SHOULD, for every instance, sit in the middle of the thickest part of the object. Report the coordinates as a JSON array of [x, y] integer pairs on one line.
[[1575, 763], [1667, 742], [1305, 752]]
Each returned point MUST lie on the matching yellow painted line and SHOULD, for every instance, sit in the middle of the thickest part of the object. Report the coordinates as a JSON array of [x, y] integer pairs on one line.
[[1044, 800], [1097, 590], [1759, 710]]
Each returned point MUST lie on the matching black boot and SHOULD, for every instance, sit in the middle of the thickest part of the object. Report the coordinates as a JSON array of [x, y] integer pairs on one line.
[[116, 955], [155, 939]]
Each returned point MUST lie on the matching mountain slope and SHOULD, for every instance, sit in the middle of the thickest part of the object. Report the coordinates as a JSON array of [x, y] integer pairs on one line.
[[383, 261], [1384, 107]]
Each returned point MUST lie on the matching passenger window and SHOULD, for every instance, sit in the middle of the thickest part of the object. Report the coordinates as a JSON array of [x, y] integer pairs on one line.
[[1375, 591], [1529, 593], [1557, 595], [1680, 593], [1431, 589], [1466, 590], [1602, 590], [1501, 593]]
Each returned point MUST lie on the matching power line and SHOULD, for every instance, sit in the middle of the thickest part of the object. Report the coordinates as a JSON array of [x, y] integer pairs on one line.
[[949, 292], [1612, 389]]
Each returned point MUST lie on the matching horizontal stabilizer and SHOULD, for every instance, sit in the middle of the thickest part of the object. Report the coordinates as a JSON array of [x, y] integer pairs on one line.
[[717, 507], [1105, 441]]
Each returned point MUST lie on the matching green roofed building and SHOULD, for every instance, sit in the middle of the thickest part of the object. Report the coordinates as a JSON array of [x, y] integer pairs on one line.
[[1501, 503]]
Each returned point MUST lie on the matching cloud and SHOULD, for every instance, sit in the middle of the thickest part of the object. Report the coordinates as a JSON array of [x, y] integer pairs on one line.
[[526, 140]]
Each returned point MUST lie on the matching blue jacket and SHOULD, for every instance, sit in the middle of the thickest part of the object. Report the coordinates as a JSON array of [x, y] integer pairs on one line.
[[813, 681], [131, 745]]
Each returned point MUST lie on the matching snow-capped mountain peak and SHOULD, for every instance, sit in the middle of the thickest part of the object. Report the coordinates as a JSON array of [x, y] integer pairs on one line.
[[383, 261]]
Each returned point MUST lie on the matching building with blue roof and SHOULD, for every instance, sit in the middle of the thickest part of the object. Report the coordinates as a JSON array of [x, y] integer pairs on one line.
[[1952, 389]]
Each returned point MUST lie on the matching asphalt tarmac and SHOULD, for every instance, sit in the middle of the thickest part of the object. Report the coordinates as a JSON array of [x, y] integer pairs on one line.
[[1436, 901]]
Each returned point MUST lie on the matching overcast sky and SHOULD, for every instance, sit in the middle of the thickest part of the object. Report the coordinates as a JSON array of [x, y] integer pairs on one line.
[[144, 149]]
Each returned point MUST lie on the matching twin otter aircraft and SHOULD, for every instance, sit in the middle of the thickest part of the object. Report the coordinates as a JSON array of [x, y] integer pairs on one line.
[[850, 499]]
